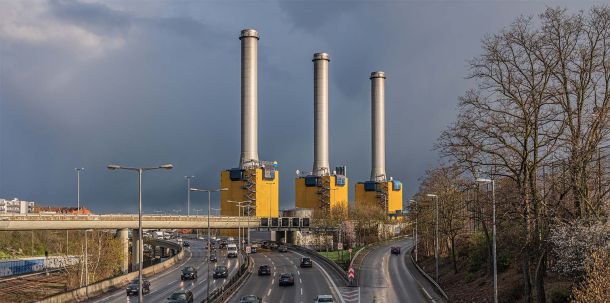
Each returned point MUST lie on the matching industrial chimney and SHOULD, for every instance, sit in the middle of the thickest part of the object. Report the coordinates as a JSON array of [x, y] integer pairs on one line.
[[249, 98], [320, 100], [378, 126]]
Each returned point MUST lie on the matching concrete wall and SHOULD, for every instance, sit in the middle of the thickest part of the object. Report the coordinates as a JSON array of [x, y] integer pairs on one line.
[[112, 284]]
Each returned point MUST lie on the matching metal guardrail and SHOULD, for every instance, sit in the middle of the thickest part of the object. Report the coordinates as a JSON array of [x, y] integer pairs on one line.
[[118, 217], [225, 292], [438, 287]]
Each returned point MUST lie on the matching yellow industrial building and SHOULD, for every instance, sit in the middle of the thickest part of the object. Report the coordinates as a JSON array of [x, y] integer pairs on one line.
[[259, 185], [386, 194], [321, 193]]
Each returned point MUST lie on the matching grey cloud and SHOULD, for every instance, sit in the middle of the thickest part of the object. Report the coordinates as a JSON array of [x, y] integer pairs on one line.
[[95, 17]]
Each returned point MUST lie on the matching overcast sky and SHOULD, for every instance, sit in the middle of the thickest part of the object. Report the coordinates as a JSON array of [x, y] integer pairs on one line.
[[86, 84]]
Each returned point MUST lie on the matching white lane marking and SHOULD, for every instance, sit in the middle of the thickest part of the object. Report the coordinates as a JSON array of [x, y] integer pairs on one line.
[[334, 288], [301, 291], [269, 292], [300, 281], [298, 272]]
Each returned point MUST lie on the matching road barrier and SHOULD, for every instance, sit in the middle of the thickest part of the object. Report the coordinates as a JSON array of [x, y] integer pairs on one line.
[[111, 284], [226, 292], [438, 287]]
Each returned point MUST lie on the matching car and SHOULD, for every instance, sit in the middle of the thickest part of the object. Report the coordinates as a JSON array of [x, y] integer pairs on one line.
[[188, 273], [287, 279], [253, 250], [133, 286], [250, 299], [213, 258], [272, 245], [223, 243], [395, 250], [181, 296], [264, 270], [186, 244], [230, 239], [220, 271], [282, 248], [179, 239], [306, 262], [324, 298]]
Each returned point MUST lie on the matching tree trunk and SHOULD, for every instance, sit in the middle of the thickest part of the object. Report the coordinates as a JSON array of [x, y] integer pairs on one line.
[[540, 272], [455, 270], [527, 286]]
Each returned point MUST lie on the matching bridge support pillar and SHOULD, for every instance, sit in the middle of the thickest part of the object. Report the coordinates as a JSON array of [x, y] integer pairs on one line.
[[123, 236], [135, 252]]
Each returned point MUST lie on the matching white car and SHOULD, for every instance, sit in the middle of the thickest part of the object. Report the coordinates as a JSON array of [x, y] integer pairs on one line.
[[324, 298], [230, 239], [179, 240]]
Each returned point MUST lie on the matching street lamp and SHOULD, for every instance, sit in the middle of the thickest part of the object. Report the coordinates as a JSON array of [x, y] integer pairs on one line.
[[209, 191], [239, 207], [188, 194], [416, 214], [493, 202], [435, 236], [78, 170], [140, 170]]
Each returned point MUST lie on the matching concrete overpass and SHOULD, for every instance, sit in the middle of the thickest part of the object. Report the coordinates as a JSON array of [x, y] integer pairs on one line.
[[20, 222]]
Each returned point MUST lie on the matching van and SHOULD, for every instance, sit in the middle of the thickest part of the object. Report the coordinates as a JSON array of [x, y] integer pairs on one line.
[[231, 251]]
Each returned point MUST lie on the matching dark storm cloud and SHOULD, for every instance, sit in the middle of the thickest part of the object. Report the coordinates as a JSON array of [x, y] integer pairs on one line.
[[145, 83]]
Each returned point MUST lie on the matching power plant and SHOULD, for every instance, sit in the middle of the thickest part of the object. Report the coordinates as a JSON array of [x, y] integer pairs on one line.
[[379, 190], [321, 190], [255, 181]]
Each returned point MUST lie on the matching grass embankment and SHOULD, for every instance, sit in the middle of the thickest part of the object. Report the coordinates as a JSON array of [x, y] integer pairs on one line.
[[340, 257]]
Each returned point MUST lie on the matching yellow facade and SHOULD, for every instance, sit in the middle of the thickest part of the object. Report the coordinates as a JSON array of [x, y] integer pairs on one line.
[[266, 193], [311, 196], [374, 197]]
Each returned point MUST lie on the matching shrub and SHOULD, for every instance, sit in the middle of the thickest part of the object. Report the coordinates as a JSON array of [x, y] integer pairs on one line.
[[560, 295]]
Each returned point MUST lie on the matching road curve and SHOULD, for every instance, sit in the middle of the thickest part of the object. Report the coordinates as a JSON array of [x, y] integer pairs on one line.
[[168, 281], [308, 282], [391, 278]]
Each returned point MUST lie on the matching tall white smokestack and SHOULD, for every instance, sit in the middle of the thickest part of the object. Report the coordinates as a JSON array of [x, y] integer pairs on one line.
[[378, 126], [320, 116], [249, 98]]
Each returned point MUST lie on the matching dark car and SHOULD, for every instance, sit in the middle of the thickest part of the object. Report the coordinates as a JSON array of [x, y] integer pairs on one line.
[[186, 244], [287, 279], [181, 296], [306, 262], [188, 273], [395, 250], [250, 299], [264, 270], [223, 244], [213, 258], [253, 249], [220, 272], [282, 248], [132, 288]]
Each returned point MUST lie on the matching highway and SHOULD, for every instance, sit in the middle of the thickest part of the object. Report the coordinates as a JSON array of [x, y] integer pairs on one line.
[[308, 282], [385, 277], [165, 283]]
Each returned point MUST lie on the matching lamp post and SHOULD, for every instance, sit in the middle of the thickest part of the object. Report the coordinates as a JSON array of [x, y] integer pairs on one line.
[[78, 170], [209, 191], [239, 207], [188, 195], [435, 236], [493, 202], [140, 170], [416, 214]]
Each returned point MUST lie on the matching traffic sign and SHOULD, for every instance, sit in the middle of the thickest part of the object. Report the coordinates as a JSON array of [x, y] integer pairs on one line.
[[248, 249], [350, 250], [339, 246], [351, 273]]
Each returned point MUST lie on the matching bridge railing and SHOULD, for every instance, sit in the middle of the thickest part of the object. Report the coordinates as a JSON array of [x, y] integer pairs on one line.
[[118, 217]]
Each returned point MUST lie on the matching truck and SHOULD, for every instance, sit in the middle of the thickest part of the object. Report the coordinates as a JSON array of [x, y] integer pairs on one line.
[[231, 251]]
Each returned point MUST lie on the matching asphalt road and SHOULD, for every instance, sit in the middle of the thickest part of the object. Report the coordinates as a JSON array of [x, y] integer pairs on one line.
[[385, 277], [308, 282], [168, 281]]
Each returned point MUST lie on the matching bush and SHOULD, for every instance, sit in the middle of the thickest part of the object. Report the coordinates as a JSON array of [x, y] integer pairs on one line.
[[477, 252], [560, 295]]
